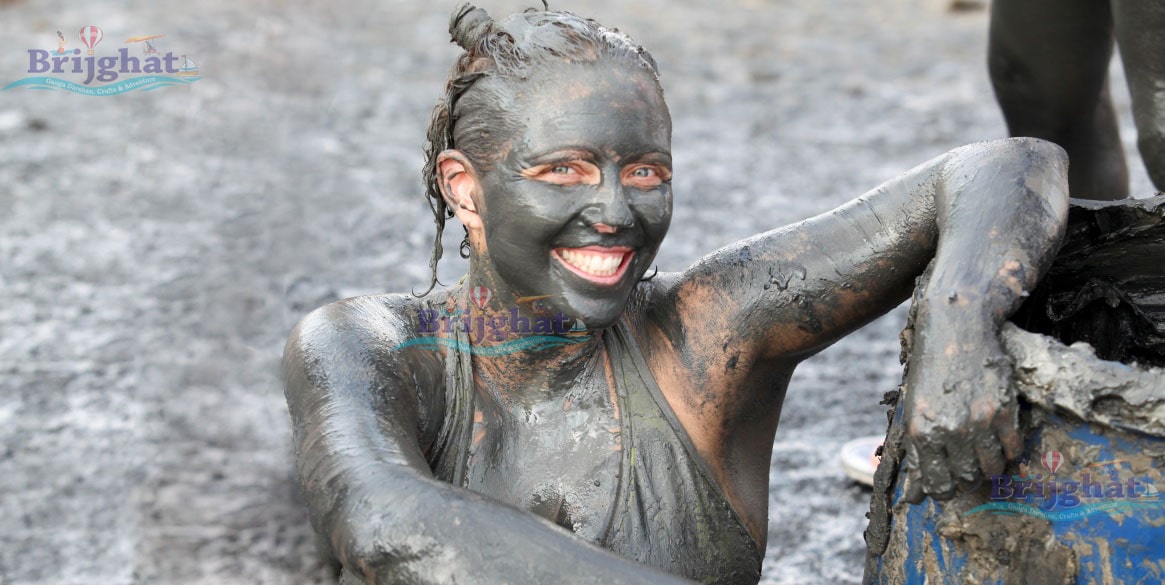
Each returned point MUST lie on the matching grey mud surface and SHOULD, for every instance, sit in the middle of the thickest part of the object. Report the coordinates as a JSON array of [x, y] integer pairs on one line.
[[156, 248]]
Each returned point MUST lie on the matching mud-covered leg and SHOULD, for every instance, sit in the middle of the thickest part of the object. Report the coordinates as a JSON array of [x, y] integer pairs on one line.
[[1140, 31], [1049, 62]]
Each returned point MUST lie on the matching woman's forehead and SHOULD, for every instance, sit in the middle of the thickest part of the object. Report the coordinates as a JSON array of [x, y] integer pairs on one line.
[[579, 81], [593, 106]]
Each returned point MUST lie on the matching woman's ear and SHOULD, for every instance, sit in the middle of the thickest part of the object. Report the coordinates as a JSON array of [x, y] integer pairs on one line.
[[459, 186]]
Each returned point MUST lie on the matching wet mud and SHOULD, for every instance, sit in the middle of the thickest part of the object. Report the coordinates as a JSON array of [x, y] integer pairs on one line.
[[1108, 287]]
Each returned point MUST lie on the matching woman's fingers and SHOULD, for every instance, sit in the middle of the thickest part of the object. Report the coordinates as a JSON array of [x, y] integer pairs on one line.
[[990, 454], [963, 459], [1006, 425], [912, 492], [933, 464]]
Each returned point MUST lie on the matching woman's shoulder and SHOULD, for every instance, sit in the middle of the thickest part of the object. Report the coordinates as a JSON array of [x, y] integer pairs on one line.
[[356, 352], [363, 325]]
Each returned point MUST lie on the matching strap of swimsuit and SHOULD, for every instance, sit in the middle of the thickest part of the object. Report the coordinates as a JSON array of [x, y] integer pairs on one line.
[[639, 364], [632, 357]]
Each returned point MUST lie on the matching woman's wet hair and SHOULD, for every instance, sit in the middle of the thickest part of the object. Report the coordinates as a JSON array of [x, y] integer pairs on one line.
[[472, 116]]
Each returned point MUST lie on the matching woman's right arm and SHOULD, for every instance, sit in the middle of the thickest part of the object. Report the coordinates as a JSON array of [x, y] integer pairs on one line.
[[354, 409]]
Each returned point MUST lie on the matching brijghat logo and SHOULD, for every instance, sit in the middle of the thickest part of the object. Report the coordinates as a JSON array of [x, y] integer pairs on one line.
[[505, 333], [1061, 495], [138, 66]]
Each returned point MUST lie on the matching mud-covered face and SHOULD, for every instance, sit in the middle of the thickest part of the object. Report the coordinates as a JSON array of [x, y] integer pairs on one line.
[[579, 205]]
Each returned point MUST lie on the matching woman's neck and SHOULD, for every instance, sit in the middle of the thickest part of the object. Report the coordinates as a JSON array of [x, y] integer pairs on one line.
[[522, 350]]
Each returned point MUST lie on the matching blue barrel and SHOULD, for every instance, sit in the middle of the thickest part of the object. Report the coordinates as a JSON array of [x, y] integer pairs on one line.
[[1080, 507]]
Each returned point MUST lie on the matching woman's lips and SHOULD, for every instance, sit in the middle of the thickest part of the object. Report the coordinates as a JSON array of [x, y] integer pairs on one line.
[[595, 263]]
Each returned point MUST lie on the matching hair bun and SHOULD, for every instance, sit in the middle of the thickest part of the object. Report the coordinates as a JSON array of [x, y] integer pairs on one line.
[[468, 25]]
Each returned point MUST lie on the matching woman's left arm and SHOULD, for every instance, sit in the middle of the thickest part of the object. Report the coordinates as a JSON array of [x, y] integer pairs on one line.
[[991, 216]]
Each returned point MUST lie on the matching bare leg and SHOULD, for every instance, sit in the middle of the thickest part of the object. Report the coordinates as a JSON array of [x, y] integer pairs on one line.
[[1140, 30], [1049, 65]]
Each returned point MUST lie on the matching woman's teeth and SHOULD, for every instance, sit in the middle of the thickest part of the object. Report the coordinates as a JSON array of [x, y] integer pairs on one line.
[[594, 263]]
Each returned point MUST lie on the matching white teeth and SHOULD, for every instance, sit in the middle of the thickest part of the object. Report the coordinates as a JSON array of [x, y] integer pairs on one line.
[[592, 263]]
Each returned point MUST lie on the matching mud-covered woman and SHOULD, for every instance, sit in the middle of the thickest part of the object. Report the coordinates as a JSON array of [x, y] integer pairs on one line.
[[612, 426]]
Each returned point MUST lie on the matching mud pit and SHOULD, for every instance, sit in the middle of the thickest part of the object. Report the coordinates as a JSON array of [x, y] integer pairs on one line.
[[156, 248]]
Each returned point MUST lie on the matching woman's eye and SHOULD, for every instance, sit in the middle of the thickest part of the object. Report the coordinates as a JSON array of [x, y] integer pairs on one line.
[[645, 177], [567, 173]]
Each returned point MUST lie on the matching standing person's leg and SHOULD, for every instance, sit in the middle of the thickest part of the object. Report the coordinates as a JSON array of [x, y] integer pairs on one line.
[[1140, 31], [1049, 65]]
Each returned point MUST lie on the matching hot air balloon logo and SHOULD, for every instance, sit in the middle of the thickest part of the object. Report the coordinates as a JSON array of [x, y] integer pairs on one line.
[[480, 296], [1052, 461], [90, 36]]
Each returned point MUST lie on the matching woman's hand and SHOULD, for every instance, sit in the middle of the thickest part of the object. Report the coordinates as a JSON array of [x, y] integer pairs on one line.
[[960, 413]]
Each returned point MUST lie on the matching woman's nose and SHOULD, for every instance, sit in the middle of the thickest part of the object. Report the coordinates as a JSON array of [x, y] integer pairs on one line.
[[609, 212]]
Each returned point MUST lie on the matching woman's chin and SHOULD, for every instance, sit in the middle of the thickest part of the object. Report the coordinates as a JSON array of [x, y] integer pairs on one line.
[[595, 312], [598, 299]]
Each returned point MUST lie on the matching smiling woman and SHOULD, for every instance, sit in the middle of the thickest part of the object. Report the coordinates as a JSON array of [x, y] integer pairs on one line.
[[595, 159], [635, 447], [574, 206]]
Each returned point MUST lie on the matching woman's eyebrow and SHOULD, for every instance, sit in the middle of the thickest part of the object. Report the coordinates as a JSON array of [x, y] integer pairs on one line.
[[563, 154], [651, 156]]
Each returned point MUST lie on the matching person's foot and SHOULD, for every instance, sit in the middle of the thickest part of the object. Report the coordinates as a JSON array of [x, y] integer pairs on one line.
[[858, 459]]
